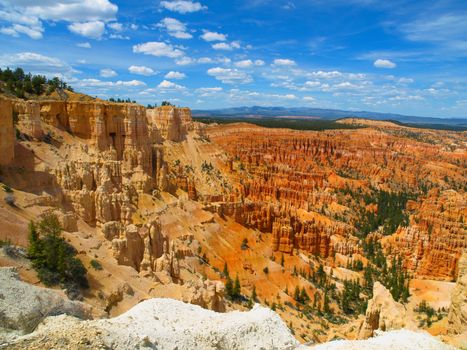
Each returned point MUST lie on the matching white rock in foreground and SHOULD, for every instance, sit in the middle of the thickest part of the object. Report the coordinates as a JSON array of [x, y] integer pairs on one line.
[[395, 340], [171, 324], [165, 324]]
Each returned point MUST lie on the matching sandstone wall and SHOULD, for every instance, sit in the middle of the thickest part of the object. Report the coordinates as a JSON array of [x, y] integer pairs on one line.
[[457, 317], [7, 133], [172, 122], [29, 121]]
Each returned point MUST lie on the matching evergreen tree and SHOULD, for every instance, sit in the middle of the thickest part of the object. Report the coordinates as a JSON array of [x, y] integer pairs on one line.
[[225, 271], [254, 297], [296, 294], [237, 290], [229, 288]]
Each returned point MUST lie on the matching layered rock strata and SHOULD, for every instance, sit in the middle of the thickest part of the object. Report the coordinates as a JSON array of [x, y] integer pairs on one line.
[[457, 316], [7, 133]]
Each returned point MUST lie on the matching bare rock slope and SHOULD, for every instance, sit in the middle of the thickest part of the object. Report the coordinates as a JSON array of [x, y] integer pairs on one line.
[[23, 306]]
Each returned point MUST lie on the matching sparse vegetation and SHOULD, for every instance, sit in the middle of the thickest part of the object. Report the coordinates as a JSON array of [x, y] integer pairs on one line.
[[24, 85], [96, 265], [53, 258]]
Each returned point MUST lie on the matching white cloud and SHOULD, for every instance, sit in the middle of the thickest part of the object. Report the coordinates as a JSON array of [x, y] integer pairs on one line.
[[34, 32], [116, 26], [284, 62], [175, 75], [85, 45], [93, 30], [226, 46], [141, 70], [182, 6], [174, 28], [208, 91], [448, 26], [27, 16], [119, 36], [325, 75], [184, 61], [108, 73], [229, 76], [37, 64], [248, 63], [96, 83], [405, 80], [380, 63], [158, 49], [167, 86], [244, 64], [309, 99], [213, 36]]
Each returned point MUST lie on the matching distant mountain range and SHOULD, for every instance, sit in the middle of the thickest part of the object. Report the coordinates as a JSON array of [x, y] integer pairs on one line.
[[329, 114]]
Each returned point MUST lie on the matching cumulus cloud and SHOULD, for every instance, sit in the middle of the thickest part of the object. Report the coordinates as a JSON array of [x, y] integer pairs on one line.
[[96, 83], [37, 64], [158, 49], [174, 28], [182, 6], [34, 32], [380, 63], [85, 45], [27, 16], [93, 30], [229, 76], [248, 63], [226, 46], [168, 86], [284, 62], [175, 75], [184, 61], [213, 36], [309, 99], [208, 91], [325, 74], [108, 73], [116, 26], [141, 70]]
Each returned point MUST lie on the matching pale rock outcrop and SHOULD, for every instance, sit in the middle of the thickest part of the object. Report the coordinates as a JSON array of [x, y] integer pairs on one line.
[[170, 324], [167, 266], [129, 248], [457, 317], [207, 294], [24, 306], [394, 340], [382, 313], [117, 295], [7, 133]]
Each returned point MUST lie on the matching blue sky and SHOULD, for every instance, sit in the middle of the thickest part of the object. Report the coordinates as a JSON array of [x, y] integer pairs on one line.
[[407, 57]]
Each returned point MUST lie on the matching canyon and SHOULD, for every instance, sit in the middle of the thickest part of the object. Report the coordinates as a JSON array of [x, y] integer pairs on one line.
[[173, 208]]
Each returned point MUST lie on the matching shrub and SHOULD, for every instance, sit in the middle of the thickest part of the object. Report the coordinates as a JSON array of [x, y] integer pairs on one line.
[[52, 257], [96, 264], [7, 188], [10, 199]]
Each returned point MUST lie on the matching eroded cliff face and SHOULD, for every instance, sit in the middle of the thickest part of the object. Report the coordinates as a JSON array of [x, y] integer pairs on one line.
[[293, 184], [172, 122], [458, 311], [115, 154], [382, 313], [434, 241], [7, 134]]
